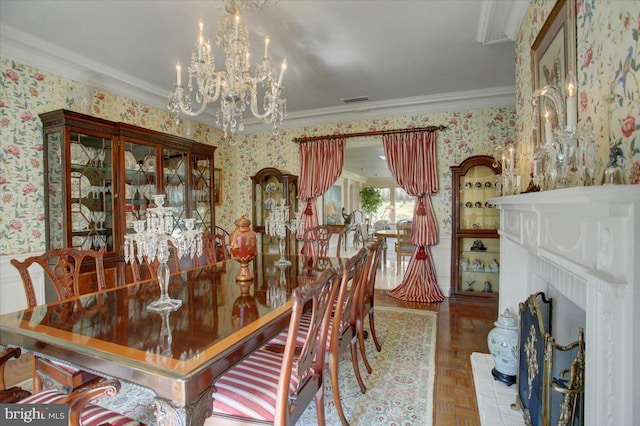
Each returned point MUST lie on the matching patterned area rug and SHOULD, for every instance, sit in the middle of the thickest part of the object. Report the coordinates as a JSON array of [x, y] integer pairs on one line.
[[399, 390]]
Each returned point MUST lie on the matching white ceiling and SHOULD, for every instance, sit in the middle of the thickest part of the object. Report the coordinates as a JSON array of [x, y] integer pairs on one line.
[[421, 55]]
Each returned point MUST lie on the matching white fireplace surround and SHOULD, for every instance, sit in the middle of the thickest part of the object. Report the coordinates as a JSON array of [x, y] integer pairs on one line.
[[581, 246]]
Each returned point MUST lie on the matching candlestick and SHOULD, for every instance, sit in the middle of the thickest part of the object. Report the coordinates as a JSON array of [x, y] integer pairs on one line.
[[237, 25], [547, 129], [266, 47], [178, 74], [283, 68], [200, 40], [571, 86]]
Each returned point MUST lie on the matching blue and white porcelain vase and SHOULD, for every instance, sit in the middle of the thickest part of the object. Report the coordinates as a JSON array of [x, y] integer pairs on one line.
[[503, 345]]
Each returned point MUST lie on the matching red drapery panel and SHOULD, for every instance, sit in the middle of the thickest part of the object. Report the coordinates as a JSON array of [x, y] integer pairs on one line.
[[320, 166], [411, 157]]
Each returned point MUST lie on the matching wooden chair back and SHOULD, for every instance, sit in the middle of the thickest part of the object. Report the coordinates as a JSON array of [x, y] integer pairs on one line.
[[64, 269], [364, 300], [215, 247], [318, 239], [404, 246], [147, 270], [306, 363]]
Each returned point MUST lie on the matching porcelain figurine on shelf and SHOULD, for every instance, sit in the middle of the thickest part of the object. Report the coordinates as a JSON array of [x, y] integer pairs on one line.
[[477, 265], [464, 264], [495, 267]]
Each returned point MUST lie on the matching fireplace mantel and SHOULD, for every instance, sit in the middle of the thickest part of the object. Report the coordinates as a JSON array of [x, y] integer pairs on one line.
[[583, 243]]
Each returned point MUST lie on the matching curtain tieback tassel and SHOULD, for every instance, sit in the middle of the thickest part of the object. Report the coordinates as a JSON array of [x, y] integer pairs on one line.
[[421, 255], [308, 210]]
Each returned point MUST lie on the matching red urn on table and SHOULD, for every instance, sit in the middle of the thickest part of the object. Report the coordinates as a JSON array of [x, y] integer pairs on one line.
[[243, 247]]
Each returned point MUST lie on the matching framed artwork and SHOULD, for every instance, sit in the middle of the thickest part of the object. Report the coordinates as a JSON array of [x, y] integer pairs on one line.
[[332, 206], [553, 53], [217, 186]]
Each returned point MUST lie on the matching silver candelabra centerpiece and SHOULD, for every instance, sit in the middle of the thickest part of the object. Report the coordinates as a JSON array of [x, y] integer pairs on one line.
[[151, 242], [277, 224]]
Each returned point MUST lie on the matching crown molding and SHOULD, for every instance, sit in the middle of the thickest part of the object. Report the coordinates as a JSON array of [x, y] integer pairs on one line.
[[25, 48], [499, 21], [445, 102]]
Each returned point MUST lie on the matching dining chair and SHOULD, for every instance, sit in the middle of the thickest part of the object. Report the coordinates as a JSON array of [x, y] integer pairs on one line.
[[146, 270], [364, 300], [319, 238], [357, 219], [341, 326], [275, 387], [215, 247], [404, 246], [64, 269], [223, 243], [81, 411]]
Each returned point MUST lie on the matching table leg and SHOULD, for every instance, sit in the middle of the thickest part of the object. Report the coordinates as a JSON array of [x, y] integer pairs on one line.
[[169, 414], [383, 264]]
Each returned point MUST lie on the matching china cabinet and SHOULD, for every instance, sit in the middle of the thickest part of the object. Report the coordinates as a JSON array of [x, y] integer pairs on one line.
[[270, 186], [475, 244], [101, 176]]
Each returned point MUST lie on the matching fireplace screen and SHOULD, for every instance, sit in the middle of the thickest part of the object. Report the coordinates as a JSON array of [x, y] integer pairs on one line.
[[550, 377]]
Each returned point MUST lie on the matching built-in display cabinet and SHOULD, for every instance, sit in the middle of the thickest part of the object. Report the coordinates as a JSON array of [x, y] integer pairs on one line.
[[475, 244], [101, 175]]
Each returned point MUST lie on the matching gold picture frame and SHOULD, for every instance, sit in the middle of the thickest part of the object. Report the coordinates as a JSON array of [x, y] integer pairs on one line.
[[553, 53], [217, 186]]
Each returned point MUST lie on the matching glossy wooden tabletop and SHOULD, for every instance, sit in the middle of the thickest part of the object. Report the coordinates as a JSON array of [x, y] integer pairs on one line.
[[179, 353]]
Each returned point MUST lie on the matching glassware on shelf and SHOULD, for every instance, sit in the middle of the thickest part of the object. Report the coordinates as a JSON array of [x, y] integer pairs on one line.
[[151, 241]]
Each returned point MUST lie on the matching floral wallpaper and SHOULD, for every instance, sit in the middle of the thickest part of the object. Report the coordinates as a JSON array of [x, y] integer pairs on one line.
[[27, 92], [609, 101], [474, 132], [608, 65]]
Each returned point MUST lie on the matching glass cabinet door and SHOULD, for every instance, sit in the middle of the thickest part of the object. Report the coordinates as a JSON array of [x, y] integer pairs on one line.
[[87, 182], [475, 244], [140, 181], [270, 186], [175, 182], [479, 265], [201, 171], [476, 187]]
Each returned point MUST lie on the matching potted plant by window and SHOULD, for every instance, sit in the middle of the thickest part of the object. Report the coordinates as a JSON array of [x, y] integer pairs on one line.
[[370, 200]]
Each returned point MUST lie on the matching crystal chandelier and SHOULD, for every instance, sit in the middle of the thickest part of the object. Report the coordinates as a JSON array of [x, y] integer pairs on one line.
[[235, 86]]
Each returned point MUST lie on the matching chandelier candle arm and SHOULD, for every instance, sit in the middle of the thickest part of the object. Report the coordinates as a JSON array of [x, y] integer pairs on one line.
[[235, 86]]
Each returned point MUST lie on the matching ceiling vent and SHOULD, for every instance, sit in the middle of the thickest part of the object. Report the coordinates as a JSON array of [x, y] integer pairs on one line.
[[356, 99]]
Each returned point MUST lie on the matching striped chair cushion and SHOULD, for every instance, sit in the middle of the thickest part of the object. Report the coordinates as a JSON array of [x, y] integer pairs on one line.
[[91, 414], [249, 389]]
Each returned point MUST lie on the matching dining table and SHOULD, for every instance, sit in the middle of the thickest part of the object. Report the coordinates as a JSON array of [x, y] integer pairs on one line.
[[178, 354], [384, 234]]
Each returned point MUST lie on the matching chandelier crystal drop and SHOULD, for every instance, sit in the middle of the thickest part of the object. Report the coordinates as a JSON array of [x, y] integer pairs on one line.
[[237, 86]]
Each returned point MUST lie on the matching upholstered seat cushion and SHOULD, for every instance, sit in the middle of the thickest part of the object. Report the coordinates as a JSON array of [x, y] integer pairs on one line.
[[91, 414], [249, 389]]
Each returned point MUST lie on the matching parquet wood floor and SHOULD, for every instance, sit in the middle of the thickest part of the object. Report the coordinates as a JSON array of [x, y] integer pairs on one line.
[[463, 326]]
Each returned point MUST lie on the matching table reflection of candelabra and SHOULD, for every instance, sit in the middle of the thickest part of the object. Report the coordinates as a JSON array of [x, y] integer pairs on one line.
[[277, 224], [151, 241], [162, 353], [277, 293]]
